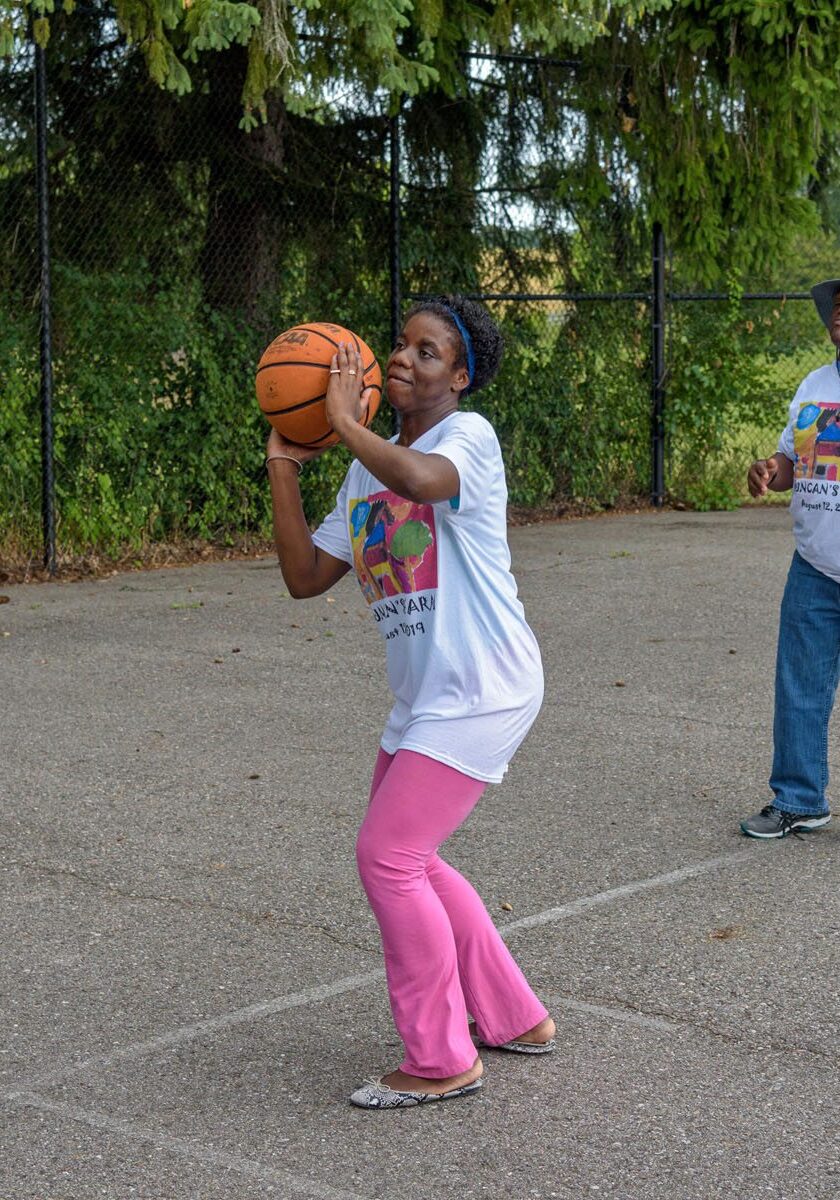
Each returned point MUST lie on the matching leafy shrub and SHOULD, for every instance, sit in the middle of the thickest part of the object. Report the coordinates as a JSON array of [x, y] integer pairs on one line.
[[158, 435], [570, 405], [714, 495], [733, 370], [157, 432]]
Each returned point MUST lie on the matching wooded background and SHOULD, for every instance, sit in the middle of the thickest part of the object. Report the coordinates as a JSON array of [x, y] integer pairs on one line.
[[219, 171]]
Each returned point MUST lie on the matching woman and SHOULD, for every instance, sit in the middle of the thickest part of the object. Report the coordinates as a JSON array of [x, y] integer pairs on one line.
[[422, 519]]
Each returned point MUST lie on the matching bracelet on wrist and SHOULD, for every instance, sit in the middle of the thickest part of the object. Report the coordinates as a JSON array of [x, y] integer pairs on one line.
[[291, 458]]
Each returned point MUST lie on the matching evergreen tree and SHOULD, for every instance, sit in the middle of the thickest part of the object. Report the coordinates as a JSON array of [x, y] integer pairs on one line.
[[719, 117]]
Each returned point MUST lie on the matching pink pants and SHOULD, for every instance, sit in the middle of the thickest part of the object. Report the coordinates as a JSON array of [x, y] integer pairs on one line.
[[443, 954]]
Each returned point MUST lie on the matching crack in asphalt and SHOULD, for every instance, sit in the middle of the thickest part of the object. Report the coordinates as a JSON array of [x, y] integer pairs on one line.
[[266, 921], [678, 1022]]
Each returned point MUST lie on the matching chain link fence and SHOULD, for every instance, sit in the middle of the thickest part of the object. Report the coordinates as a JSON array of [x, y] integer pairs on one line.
[[535, 212], [179, 245], [734, 364]]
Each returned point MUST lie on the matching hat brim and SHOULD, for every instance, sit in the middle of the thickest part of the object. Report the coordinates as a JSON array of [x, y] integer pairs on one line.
[[823, 295]]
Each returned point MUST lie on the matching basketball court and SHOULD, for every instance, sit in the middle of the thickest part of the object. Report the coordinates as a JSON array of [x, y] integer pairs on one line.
[[191, 977]]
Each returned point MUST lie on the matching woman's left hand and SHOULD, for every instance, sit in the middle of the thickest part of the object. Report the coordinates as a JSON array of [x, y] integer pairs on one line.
[[346, 401]]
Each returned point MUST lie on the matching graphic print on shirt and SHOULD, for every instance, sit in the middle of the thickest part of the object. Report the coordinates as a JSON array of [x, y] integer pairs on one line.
[[816, 441], [394, 546]]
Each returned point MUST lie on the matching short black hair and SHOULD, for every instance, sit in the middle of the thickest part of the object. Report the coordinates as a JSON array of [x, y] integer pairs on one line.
[[488, 343]]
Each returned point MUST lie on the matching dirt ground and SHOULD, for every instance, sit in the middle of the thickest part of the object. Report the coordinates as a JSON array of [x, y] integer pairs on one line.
[[17, 566]]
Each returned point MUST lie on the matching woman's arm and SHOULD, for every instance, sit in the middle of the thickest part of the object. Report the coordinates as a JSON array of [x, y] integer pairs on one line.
[[424, 478], [307, 570]]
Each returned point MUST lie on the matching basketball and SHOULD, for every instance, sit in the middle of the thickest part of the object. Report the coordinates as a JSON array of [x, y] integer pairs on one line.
[[292, 378]]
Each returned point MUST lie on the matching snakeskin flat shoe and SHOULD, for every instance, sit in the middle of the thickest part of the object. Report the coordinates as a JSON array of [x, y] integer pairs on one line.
[[514, 1047], [375, 1094], [521, 1047]]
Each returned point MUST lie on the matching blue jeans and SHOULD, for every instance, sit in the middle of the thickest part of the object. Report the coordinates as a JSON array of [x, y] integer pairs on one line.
[[807, 669]]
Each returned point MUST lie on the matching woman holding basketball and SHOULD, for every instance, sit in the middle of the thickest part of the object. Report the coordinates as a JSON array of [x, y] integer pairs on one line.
[[422, 520]]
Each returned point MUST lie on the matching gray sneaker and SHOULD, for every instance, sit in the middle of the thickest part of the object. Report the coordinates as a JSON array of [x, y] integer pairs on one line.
[[772, 822]]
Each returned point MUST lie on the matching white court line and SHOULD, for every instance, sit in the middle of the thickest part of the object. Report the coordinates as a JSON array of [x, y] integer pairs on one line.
[[264, 1008], [627, 1015], [628, 889], [350, 983], [290, 1182]]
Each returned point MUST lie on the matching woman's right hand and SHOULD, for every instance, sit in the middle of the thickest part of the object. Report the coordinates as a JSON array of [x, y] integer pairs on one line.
[[277, 444]]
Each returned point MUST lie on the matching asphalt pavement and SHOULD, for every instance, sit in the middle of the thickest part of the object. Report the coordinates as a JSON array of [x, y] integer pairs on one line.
[[191, 981]]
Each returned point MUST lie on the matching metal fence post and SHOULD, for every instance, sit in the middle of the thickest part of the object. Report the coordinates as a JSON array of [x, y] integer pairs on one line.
[[46, 386], [658, 368]]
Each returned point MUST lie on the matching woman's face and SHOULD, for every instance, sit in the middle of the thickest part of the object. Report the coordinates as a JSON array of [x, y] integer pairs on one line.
[[421, 372]]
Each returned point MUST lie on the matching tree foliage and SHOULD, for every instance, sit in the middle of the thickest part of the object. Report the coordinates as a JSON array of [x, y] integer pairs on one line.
[[401, 46], [723, 113], [737, 105], [219, 171]]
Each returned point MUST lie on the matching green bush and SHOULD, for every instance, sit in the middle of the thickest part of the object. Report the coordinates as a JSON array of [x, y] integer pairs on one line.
[[733, 370], [20, 435], [157, 432], [570, 405], [158, 435]]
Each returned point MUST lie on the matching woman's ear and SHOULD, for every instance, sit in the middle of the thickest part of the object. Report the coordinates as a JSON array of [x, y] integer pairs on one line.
[[460, 380]]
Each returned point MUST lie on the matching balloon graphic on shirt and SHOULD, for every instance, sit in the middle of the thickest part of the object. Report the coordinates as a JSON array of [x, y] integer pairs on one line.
[[359, 515], [408, 545], [807, 415]]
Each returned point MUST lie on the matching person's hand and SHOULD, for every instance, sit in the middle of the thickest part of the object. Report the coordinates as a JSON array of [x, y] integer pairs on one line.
[[761, 474], [278, 445], [347, 398]]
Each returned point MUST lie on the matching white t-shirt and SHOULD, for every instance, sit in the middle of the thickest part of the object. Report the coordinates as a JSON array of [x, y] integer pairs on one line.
[[812, 440], [463, 664]]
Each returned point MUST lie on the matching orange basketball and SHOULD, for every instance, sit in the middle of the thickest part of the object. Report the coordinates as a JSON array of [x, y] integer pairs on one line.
[[292, 378]]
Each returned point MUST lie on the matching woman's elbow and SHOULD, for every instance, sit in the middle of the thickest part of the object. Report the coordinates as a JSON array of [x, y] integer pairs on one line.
[[296, 587]]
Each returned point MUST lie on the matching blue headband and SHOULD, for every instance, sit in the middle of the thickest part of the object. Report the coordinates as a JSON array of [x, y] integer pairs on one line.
[[468, 346]]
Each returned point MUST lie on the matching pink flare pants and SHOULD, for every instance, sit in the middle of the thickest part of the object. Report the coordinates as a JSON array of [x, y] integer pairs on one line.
[[444, 957]]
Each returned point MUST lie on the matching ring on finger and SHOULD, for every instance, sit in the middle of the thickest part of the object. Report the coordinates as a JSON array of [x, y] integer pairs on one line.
[[335, 371], [351, 372]]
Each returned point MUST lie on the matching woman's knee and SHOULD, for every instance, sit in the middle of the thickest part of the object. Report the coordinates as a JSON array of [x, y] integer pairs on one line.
[[383, 862], [369, 853]]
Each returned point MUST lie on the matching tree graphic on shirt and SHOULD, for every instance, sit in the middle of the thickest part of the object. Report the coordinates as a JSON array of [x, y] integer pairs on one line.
[[408, 545]]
